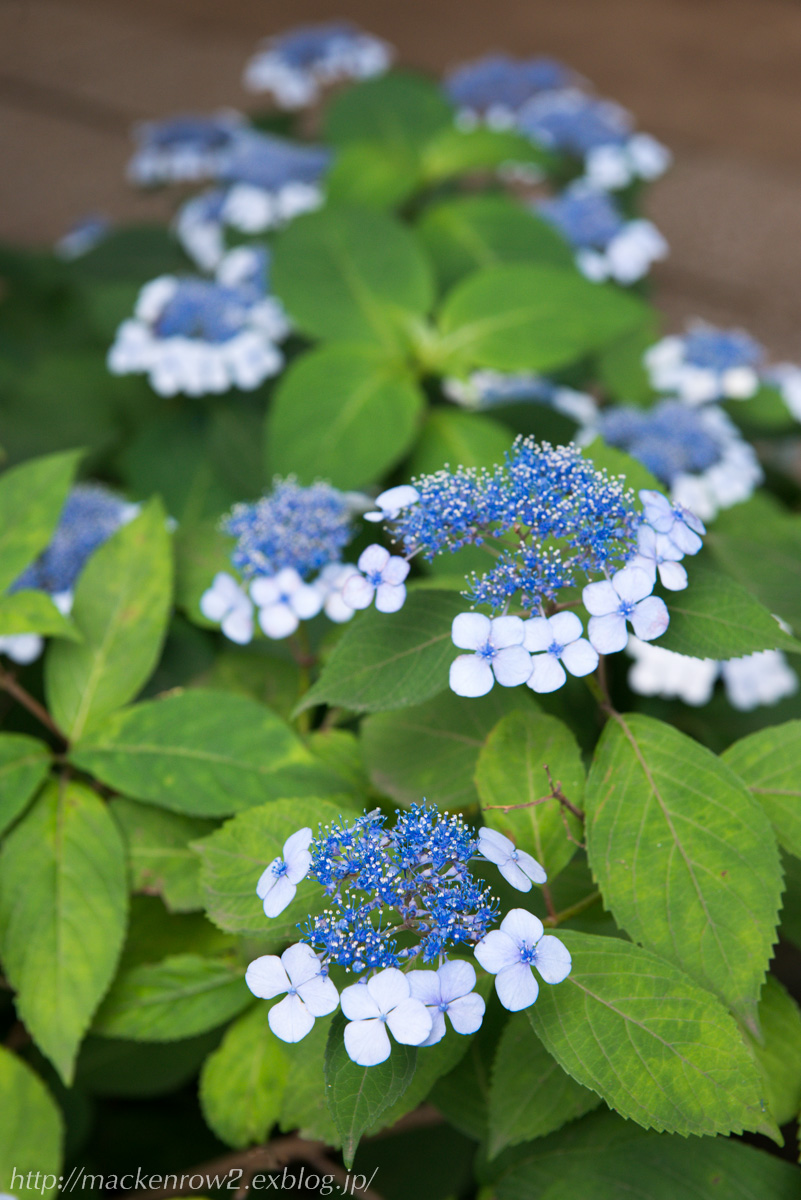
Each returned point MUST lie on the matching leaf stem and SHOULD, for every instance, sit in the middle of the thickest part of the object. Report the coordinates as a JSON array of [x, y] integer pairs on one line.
[[9, 684], [554, 919]]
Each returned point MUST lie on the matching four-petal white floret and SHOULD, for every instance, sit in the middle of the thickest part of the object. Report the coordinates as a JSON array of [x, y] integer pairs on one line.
[[383, 1002], [382, 577], [557, 644], [678, 523], [509, 953], [448, 990], [391, 502], [498, 654], [225, 601], [284, 600], [626, 597], [279, 881], [657, 553], [309, 992], [518, 867]]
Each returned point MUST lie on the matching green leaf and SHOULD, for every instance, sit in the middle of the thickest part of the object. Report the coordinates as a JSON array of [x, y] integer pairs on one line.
[[530, 1094], [302, 1108], [200, 552], [383, 662], [604, 1158], [342, 413], [63, 909], [115, 1067], [132, 252], [431, 750], [459, 439], [32, 496], [374, 174], [399, 108], [530, 317], [24, 764], [657, 1048], [511, 769], [779, 1053], [685, 858], [255, 672], [34, 612], [762, 531], [122, 604], [621, 369], [351, 273], [470, 232], [207, 754], [717, 618], [357, 1096], [183, 995], [454, 151], [242, 1083], [234, 857], [769, 764], [159, 853], [31, 1131]]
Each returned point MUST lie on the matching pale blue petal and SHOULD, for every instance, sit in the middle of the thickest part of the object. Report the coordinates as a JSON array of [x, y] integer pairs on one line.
[[553, 959], [410, 1022], [279, 896], [457, 978], [367, 1042], [516, 987], [467, 1012], [358, 1004], [496, 951], [522, 927], [290, 1020], [266, 977]]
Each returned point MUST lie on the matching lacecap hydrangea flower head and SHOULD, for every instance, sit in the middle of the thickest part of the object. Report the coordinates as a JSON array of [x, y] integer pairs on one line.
[[553, 523], [288, 551], [295, 66], [401, 900]]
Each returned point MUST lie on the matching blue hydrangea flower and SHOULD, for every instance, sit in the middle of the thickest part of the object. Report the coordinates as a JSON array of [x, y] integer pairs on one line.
[[518, 868], [597, 132], [279, 881], [384, 1002], [753, 680], [497, 654], [381, 578], [184, 148], [706, 364], [607, 246], [200, 336], [510, 953], [624, 597], [228, 604], [556, 645], [309, 991], [294, 66], [448, 991], [284, 600], [494, 88]]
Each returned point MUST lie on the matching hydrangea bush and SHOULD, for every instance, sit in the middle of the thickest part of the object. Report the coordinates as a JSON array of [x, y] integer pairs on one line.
[[401, 731]]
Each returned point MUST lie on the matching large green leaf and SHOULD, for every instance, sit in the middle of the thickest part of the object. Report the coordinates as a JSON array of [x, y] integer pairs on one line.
[[204, 753], [234, 857], [530, 1094], [604, 1158], [383, 662], [32, 496], [717, 618], [459, 439], [342, 413], [769, 764], [302, 1107], [431, 750], [351, 273], [464, 234], [242, 1083], [34, 612], [121, 609], [63, 908], [24, 763], [30, 1131], [158, 850], [399, 108], [657, 1048], [374, 174], [357, 1096], [684, 856], [454, 151], [762, 531], [530, 317], [183, 995], [779, 1051], [511, 769]]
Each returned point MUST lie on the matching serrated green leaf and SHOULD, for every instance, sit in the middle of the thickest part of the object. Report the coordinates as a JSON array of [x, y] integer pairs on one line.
[[203, 753], [431, 750], [63, 910], [717, 618], [471, 232], [530, 317], [779, 1052], [685, 858], [459, 439], [242, 1082], [764, 532], [342, 413], [183, 995], [158, 850], [385, 662], [604, 1158], [530, 1094], [353, 274], [234, 857], [511, 769], [656, 1047], [31, 1131], [32, 496], [357, 1096], [121, 609], [24, 764], [34, 612], [399, 108], [769, 764], [154, 933]]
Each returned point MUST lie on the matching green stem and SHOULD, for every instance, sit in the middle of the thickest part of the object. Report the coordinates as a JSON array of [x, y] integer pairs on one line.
[[572, 911]]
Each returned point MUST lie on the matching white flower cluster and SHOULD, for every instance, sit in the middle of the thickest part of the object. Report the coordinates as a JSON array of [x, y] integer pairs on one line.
[[490, 389], [295, 67], [201, 222], [756, 679], [628, 256]]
